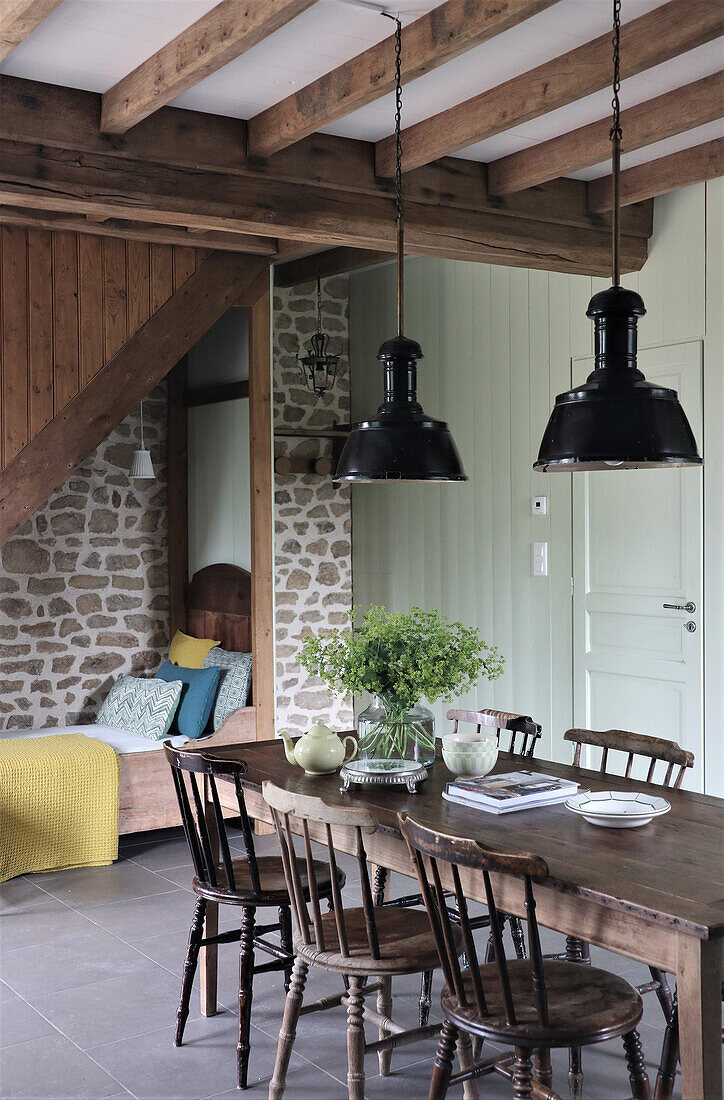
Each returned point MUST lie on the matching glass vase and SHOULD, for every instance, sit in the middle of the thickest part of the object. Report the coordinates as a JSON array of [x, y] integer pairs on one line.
[[387, 731]]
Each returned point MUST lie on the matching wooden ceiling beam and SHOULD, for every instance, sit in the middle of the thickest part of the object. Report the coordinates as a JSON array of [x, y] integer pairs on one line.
[[139, 231], [650, 40], [439, 36], [19, 18], [320, 265], [71, 183], [671, 113], [656, 177], [217, 38], [65, 118]]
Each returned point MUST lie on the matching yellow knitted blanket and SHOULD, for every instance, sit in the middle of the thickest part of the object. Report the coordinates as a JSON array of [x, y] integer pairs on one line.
[[58, 803]]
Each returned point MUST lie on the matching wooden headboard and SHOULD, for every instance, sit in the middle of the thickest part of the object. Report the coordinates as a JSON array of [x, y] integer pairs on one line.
[[218, 605]]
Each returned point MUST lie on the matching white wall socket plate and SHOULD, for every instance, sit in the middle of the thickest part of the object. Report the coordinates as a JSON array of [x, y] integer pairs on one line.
[[539, 506], [540, 559]]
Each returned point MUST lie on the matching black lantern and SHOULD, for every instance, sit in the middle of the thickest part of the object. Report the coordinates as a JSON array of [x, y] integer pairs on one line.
[[401, 443], [318, 367], [616, 420]]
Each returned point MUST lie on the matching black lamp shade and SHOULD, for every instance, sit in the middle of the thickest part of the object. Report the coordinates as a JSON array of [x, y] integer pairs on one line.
[[401, 443], [617, 420]]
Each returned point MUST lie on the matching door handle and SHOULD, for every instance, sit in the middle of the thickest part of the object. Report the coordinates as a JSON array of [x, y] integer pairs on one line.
[[689, 607]]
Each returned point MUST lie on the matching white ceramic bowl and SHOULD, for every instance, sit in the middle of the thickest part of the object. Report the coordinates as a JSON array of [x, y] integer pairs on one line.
[[465, 756], [618, 809]]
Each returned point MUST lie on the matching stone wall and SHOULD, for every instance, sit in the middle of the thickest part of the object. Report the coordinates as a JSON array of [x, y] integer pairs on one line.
[[313, 518], [84, 584]]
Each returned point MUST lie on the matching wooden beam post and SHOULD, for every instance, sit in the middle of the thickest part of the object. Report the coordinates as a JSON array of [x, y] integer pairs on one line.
[[18, 18], [262, 513], [119, 385], [177, 489]]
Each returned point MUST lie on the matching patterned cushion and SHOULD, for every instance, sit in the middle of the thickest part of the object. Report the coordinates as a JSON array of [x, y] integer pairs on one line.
[[146, 707], [234, 683], [198, 692]]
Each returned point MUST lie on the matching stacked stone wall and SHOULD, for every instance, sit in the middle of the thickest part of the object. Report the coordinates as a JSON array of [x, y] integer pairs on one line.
[[84, 584], [313, 518]]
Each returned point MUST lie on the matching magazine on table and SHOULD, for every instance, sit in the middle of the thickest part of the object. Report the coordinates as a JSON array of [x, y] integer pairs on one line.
[[510, 791]]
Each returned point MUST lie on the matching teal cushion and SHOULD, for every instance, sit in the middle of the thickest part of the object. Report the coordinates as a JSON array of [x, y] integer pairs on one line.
[[142, 706], [198, 691], [235, 669]]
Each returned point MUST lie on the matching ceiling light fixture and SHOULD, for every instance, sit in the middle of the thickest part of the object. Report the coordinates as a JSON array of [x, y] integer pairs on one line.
[[616, 420], [141, 464], [318, 367], [401, 443]]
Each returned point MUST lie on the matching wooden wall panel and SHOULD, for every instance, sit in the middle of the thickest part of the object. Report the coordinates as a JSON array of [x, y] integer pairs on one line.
[[14, 342], [68, 303], [65, 319], [90, 306]]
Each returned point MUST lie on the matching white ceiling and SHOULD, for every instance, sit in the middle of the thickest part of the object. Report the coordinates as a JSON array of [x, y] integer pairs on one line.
[[91, 44]]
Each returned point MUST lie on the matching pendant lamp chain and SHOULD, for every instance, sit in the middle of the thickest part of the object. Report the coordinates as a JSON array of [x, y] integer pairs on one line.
[[399, 218], [615, 136]]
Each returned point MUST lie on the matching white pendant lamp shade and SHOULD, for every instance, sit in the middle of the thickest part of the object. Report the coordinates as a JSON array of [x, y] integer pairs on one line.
[[141, 464]]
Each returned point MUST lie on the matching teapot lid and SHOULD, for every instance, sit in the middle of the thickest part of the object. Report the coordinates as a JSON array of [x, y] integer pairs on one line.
[[320, 730]]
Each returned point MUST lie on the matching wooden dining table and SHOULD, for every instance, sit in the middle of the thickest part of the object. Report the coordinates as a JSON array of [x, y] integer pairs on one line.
[[654, 894]]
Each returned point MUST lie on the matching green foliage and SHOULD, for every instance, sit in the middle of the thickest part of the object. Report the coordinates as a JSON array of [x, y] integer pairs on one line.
[[402, 657]]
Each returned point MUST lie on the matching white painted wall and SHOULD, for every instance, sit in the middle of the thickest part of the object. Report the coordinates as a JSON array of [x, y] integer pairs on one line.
[[498, 345], [218, 450]]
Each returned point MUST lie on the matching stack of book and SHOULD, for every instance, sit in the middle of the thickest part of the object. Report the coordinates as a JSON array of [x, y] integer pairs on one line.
[[511, 791]]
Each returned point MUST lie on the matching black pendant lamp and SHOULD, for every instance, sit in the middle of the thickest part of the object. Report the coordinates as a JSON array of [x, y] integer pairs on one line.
[[401, 443], [616, 420]]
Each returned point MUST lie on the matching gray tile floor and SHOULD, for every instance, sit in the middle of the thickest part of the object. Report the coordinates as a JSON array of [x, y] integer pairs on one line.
[[90, 962]]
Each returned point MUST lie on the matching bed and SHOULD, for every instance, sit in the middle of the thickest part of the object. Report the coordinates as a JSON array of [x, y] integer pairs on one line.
[[218, 605]]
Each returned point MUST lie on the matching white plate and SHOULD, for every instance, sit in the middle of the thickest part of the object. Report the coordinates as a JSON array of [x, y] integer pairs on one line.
[[618, 809]]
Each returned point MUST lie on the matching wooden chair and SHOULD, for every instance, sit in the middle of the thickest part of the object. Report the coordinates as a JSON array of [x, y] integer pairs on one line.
[[524, 736], [530, 1004], [250, 883], [358, 942], [676, 761]]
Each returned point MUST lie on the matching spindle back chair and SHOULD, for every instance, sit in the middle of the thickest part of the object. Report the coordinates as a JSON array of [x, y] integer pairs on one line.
[[355, 941], [230, 878], [526, 1003], [655, 749], [524, 732]]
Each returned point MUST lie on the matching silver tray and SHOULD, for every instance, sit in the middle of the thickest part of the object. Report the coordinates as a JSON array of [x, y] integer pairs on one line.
[[382, 773]]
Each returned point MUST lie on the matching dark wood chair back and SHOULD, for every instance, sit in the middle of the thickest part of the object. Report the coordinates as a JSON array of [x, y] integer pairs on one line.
[[655, 749], [186, 766], [459, 852], [518, 725], [305, 808]]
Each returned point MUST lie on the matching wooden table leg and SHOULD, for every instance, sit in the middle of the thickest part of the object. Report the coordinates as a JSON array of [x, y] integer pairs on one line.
[[208, 956], [699, 977]]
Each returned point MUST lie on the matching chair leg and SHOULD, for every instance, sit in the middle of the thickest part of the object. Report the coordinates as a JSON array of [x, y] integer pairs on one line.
[[542, 1069], [196, 933], [663, 991], [355, 1039], [575, 1073], [379, 885], [288, 1030], [384, 1007], [516, 932], [666, 1076], [466, 1061], [285, 941], [246, 980], [522, 1075], [640, 1088], [442, 1069], [425, 996]]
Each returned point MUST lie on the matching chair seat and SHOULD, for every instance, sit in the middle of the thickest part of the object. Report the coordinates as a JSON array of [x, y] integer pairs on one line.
[[405, 941], [271, 877], [585, 1005]]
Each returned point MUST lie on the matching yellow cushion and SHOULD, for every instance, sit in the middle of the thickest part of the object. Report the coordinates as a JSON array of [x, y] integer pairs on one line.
[[187, 652]]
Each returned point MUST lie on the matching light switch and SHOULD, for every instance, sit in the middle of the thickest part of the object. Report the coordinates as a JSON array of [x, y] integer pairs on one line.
[[540, 559], [539, 506]]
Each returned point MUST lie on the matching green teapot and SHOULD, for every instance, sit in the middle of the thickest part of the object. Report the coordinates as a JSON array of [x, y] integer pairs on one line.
[[320, 751]]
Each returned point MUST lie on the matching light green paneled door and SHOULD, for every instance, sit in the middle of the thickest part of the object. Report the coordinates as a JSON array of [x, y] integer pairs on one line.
[[637, 546]]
